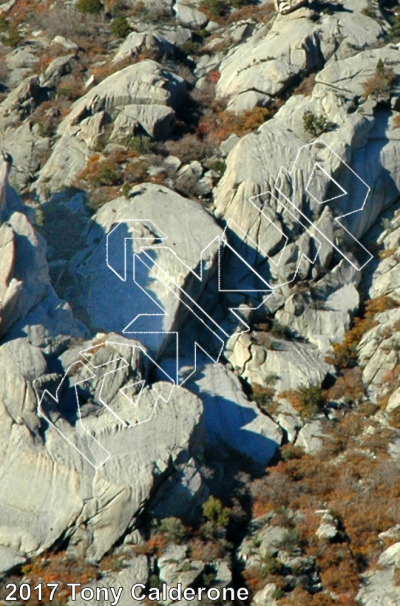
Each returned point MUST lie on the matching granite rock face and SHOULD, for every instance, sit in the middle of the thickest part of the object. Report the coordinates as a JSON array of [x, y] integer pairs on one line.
[[199, 278], [25, 279], [229, 418], [95, 507], [269, 61], [157, 226], [144, 94], [380, 583]]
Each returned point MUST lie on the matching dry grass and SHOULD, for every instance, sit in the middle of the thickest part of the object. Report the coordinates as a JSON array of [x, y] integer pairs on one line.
[[352, 475], [389, 252], [57, 568], [216, 128], [261, 14], [381, 82], [345, 355], [305, 88]]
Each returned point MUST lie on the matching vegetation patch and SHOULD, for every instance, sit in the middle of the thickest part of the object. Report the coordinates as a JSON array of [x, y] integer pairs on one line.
[[120, 27], [381, 83], [345, 353], [316, 125], [224, 123], [90, 7]]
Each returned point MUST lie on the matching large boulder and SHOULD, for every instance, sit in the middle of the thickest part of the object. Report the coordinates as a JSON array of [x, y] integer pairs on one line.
[[9, 201], [383, 277], [163, 41], [281, 364], [323, 317], [189, 15], [380, 586], [24, 278], [268, 62], [92, 472], [50, 326], [283, 195], [20, 63], [378, 348], [230, 419], [378, 354], [275, 56], [182, 243], [149, 91], [28, 148]]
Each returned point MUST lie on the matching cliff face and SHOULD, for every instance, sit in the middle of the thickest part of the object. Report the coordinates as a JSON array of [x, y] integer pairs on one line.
[[199, 296]]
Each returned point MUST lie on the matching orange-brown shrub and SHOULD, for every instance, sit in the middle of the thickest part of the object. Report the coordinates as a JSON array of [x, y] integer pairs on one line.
[[223, 123], [207, 551], [301, 597], [255, 579], [214, 76], [104, 171], [100, 72], [261, 13], [394, 418], [352, 475], [22, 9], [361, 487], [154, 546], [57, 568], [385, 254], [339, 571], [381, 82], [396, 577], [72, 87], [345, 355], [348, 385]]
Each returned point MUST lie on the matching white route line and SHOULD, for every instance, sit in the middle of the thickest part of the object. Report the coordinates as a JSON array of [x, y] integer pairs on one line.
[[89, 367], [193, 306], [283, 171]]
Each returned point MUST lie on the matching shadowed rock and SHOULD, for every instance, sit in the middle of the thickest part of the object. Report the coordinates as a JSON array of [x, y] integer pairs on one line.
[[5, 166]]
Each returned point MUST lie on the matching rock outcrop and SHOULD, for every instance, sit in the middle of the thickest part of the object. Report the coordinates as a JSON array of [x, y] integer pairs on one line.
[[230, 419], [199, 278], [159, 221], [144, 94], [93, 507]]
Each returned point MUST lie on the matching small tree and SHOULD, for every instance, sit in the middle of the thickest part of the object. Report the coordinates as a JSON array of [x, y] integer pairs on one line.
[[380, 67], [4, 25], [280, 331], [216, 8], [395, 31], [173, 530], [316, 125], [216, 513], [263, 396], [311, 400], [380, 84], [14, 37], [90, 7], [120, 27]]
